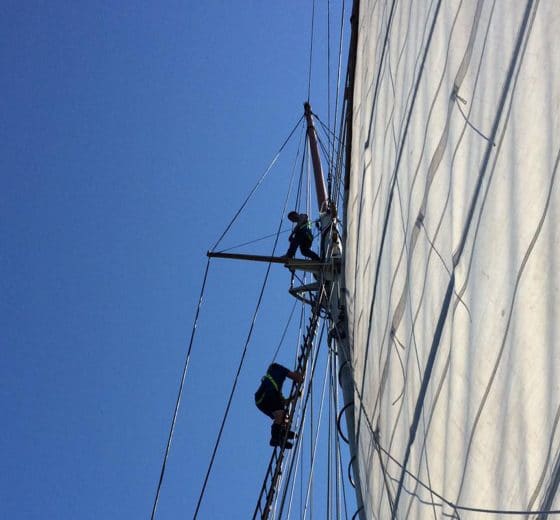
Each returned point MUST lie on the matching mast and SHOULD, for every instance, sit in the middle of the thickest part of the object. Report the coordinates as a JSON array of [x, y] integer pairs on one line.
[[311, 294], [333, 286], [324, 296], [322, 198]]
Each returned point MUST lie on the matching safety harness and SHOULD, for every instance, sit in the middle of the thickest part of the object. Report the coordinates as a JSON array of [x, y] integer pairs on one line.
[[305, 227], [274, 384]]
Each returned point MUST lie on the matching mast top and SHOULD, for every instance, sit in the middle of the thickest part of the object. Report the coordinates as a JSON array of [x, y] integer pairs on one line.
[[322, 198]]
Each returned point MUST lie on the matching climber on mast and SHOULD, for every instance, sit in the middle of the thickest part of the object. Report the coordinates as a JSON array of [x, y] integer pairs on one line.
[[270, 401], [313, 294], [301, 236]]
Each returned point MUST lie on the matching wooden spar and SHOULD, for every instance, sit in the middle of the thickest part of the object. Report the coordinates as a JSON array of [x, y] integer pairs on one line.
[[255, 258], [288, 262], [322, 198]]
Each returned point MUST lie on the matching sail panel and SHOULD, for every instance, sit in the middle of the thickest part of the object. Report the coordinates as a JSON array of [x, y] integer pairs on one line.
[[450, 265]]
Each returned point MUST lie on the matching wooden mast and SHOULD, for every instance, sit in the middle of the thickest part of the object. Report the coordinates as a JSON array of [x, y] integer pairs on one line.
[[322, 198]]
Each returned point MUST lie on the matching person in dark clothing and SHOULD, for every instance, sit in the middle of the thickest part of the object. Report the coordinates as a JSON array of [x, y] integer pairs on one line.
[[301, 236], [269, 400]]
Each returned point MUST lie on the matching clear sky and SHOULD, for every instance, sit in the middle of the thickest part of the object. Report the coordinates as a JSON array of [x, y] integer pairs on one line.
[[131, 132]]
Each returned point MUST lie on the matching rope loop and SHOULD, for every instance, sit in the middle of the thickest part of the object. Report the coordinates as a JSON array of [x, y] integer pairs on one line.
[[344, 438]]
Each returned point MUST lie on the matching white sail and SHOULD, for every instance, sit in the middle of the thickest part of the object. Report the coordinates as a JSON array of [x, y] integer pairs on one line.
[[451, 258]]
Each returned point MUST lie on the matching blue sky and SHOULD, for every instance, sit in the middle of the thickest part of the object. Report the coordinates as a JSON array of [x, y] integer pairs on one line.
[[131, 133]]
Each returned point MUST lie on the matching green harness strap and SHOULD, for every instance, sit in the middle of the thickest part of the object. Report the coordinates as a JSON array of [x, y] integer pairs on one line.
[[267, 376]]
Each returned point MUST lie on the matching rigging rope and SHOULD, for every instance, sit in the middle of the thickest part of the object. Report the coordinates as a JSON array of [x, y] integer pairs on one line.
[[302, 417], [230, 399], [337, 465], [311, 51], [249, 335], [315, 443], [253, 241], [285, 331], [219, 240], [295, 460], [338, 76], [324, 150], [332, 361], [269, 266], [180, 392], [456, 507], [328, 131], [296, 457], [259, 182], [340, 478], [329, 174]]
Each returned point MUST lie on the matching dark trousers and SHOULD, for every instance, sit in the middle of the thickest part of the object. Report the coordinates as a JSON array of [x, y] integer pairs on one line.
[[302, 241]]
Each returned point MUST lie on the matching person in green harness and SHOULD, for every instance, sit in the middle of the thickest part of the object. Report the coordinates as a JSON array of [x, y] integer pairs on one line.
[[270, 401], [301, 236]]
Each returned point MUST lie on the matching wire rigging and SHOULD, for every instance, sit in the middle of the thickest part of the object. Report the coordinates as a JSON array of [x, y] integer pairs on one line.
[[297, 459], [329, 175], [285, 331], [330, 359], [180, 391], [316, 438], [331, 164], [248, 339], [311, 51], [329, 434], [306, 505], [456, 507], [295, 463], [339, 69], [302, 415], [230, 399], [283, 231], [259, 182]]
